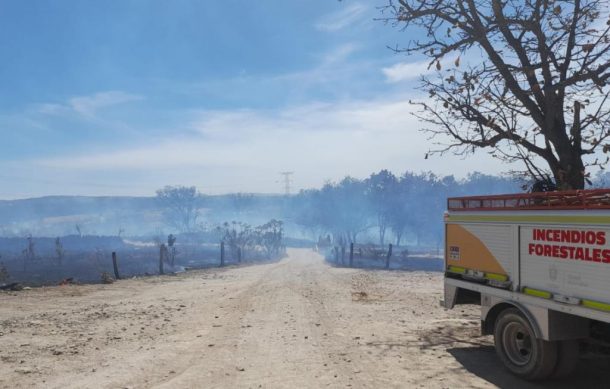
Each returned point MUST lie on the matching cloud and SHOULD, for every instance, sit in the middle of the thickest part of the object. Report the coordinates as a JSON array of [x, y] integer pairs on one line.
[[330, 76], [243, 150], [333, 65], [341, 19], [87, 106], [406, 71], [338, 54], [250, 139]]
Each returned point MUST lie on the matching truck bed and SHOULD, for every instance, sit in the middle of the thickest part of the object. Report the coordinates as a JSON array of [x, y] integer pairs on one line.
[[552, 255]]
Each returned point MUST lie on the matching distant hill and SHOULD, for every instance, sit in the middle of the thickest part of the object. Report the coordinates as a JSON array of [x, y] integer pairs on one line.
[[65, 215]]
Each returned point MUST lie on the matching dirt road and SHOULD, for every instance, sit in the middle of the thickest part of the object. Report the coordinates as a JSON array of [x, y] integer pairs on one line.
[[298, 323]]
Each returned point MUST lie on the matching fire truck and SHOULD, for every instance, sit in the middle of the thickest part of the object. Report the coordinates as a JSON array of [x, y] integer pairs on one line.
[[538, 264]]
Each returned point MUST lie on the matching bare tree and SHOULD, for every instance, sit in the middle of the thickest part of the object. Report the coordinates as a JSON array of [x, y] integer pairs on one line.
[[4, 275], [29, 253], [381, 191], [237, 235], [270, 237], [59, 251], [527, 79], [180, 206]]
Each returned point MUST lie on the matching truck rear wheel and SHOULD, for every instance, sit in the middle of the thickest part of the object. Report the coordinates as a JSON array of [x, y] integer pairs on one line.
[[519, 349]]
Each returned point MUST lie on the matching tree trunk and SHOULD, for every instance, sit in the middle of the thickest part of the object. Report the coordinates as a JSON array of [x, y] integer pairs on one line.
[[570, 175], [381, 222], [381, 234]]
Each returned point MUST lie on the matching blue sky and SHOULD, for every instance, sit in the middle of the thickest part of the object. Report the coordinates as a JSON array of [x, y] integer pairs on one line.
[[123, 96]]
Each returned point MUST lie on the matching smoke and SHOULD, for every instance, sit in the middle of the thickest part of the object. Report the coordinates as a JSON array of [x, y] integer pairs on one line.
[[61, 236]]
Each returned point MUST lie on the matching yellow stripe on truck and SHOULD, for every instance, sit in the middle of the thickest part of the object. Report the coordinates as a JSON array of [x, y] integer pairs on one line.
[[487, 276], [596, 305], [537, 293], [585, 303], [496, 277], [456, 269]]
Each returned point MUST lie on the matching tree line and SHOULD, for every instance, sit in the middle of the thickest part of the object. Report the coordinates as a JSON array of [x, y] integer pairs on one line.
[[387, 208], [382, 208]]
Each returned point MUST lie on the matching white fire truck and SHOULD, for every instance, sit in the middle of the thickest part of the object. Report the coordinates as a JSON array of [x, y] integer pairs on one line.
[[539, 266]]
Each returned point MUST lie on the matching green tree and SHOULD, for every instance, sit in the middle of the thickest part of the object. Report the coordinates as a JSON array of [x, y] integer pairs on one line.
[[180, 206], [381, 190]]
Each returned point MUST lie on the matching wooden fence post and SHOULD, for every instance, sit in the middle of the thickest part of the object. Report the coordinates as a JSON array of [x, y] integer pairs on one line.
[[115, 266], [222, 254], [161, 255], [336, 250], [343, 254], [387, 259], [239, 254], [351, 254]]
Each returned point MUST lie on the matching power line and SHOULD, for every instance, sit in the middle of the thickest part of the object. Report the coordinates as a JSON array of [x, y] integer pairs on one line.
[[287, 181]]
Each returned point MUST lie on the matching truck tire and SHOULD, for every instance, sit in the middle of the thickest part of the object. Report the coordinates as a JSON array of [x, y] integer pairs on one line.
[[567, 358], [518, 348]]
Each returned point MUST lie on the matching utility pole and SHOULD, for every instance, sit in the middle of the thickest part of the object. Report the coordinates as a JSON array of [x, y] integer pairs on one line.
[[287, 181]]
